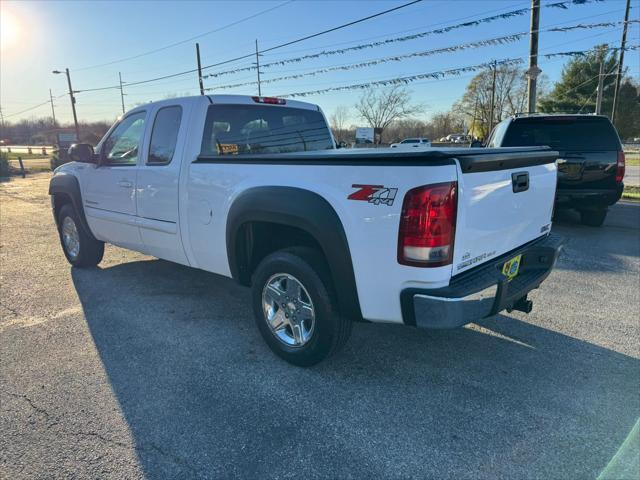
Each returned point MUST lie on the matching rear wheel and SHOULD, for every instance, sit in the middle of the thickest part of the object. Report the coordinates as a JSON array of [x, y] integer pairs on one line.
[[295, 307], [81, 249], [593, 218]]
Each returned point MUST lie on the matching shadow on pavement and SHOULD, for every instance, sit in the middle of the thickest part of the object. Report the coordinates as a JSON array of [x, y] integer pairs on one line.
[[600, 249], [203, 396]]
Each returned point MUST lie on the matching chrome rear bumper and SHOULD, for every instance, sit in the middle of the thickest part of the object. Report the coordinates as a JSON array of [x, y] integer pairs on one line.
[[482, 291]]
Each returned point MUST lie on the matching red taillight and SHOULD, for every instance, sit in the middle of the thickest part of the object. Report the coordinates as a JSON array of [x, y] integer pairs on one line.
[[427, 225], [270, 100], [620, 167]]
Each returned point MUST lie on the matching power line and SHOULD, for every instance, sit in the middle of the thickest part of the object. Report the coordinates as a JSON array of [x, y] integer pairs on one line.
[[395, 58], [509, 14], [96, 89], [28, 109], [401, 31], [409, 79], [282, 45], [388, 41], [48, 102], [578, 26], [598, 87], [425, 53], [435, 75], [181, 42]]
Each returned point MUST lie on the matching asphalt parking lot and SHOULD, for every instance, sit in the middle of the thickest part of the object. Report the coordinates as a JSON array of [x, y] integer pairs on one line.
[[145, 369]]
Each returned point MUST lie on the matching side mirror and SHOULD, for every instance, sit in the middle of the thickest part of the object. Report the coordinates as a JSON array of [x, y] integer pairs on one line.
[[82, 152]]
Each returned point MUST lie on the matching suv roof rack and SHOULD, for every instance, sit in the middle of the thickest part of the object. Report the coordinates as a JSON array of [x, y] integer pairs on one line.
[[525, 114]]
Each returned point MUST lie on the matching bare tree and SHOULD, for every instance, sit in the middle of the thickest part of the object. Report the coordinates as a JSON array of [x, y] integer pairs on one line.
[[339, 119], [445, 123], [510, 97], [379, 108]]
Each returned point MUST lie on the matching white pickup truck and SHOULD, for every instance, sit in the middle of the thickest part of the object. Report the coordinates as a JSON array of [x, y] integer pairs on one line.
[[253, 188]]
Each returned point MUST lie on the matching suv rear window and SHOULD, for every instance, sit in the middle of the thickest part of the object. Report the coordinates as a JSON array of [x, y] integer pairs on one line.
[[563, 133], [263, 129]]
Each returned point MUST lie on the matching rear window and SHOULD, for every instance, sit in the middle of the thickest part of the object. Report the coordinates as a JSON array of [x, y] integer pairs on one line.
[[563, 133], [263, 129]]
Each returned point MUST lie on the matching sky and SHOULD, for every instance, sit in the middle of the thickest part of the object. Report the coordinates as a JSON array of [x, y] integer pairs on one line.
[[38, 37]]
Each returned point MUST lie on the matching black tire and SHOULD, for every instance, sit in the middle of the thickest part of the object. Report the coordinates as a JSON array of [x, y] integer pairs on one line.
[[90, 250], [331, 330], [593, 218]]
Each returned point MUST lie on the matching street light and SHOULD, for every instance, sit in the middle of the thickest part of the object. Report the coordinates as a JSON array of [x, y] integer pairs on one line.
[[73, 101]]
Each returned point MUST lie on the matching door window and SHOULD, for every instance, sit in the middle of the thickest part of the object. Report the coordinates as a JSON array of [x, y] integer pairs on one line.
[[164, 135], [121, 148], [496, 136]]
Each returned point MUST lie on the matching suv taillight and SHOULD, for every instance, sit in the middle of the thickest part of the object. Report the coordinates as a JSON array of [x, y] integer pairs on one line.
[[427, 225], [620, 167]]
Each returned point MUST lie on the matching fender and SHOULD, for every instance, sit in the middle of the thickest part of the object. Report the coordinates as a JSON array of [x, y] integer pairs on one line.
[[309, 212], [68, 185]]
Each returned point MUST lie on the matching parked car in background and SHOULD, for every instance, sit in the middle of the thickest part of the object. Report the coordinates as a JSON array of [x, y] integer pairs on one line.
[[412, 143], [462, 139], [458, 138], [591, 164]]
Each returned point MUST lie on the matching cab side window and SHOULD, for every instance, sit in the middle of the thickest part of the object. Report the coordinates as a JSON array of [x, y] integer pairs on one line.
[[121, 148], [164, 135]]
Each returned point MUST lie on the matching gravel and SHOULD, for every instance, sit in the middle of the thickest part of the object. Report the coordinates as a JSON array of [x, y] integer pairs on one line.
[[146, 369]]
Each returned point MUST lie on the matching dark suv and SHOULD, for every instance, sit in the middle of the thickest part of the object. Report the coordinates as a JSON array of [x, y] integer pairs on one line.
[[591, 163]]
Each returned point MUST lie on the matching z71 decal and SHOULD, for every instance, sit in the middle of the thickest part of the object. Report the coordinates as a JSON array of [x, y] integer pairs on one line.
[[375, 194]]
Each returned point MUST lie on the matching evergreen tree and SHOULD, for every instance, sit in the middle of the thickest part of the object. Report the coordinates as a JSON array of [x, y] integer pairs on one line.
[[576, 91]]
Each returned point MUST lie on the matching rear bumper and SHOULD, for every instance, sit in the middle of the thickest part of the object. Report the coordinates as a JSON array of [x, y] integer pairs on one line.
[[482, 291], [588, 197]]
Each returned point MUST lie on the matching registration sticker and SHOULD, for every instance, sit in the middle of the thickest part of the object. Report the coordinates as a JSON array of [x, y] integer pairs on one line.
[[512, 267]]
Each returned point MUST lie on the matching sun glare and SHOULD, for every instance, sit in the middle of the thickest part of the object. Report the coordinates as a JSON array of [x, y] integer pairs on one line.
[[9, 29]]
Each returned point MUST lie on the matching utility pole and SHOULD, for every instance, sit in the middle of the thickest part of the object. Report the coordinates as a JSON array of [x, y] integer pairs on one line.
[[473, 120], [534, 70], [493, 96], [623, 43], [53, 110], [258, 67], [600, 86], [121, 91], [199, 69], [73, 102]]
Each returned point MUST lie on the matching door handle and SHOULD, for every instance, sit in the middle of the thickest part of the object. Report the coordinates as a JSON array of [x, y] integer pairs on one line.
[[125, 184], [520, 181]]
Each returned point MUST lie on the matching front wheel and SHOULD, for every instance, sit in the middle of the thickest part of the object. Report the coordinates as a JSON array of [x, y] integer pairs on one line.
[[295, 307], [81, 249], [593, 218]]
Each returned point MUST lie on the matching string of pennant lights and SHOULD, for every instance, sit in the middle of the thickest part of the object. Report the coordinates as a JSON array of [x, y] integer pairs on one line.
[[405, 38], [445, 73], [396, 58]]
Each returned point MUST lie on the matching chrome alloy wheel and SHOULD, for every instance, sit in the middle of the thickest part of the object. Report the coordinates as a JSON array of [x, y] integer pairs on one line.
[[288, 310], [70, 237]]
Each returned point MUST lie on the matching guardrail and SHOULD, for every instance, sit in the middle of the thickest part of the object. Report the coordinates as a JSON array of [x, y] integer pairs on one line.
[[28, 149]]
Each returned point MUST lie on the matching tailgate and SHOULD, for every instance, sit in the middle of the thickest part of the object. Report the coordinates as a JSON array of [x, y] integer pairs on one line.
[[504, 201], [587, 169]]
